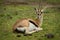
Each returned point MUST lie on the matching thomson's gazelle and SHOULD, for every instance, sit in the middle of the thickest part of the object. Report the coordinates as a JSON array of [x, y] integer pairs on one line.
[[29, 26]]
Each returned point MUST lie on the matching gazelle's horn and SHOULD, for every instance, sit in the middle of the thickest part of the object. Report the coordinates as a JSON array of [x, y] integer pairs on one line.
[[44, 9]]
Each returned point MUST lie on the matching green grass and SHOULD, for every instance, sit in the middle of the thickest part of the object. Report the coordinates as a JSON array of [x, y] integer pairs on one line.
[[51, 23]]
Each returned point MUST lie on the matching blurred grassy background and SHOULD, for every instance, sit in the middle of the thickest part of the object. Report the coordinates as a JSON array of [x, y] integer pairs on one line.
[[10, 13]]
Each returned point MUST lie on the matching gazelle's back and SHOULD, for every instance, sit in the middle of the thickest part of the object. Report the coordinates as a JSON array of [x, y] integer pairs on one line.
[[21, 23]]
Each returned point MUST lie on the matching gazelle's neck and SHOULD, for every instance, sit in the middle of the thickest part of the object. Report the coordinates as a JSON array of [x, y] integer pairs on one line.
[[39, 13], [40, 19]]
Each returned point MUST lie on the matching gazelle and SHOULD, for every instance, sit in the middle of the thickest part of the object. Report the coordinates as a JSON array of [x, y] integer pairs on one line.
[[29, 26]]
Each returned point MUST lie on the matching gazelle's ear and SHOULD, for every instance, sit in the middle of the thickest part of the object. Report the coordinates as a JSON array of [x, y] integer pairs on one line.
[[44, 9], [36, 10]]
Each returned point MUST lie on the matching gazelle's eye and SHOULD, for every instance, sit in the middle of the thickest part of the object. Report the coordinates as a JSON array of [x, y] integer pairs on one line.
[[38, 14]]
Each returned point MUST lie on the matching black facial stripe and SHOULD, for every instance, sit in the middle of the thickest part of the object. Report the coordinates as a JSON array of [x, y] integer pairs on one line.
[[38, 14]]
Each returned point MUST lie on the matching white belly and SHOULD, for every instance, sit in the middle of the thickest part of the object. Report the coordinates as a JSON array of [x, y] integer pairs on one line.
[[32, 27], [20, 29]]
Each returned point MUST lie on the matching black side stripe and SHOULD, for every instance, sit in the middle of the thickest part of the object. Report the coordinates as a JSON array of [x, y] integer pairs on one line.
[[33, 23]]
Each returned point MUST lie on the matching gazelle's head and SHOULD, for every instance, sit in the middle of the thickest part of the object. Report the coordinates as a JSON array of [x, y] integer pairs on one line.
[[38, 12]]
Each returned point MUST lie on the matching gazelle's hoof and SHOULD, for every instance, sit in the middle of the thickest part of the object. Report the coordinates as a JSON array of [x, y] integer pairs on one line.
[[41, 28]]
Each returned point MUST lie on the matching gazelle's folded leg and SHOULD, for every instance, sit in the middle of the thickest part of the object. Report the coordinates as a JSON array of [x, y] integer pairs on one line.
[[38, 29], [29, 32]]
